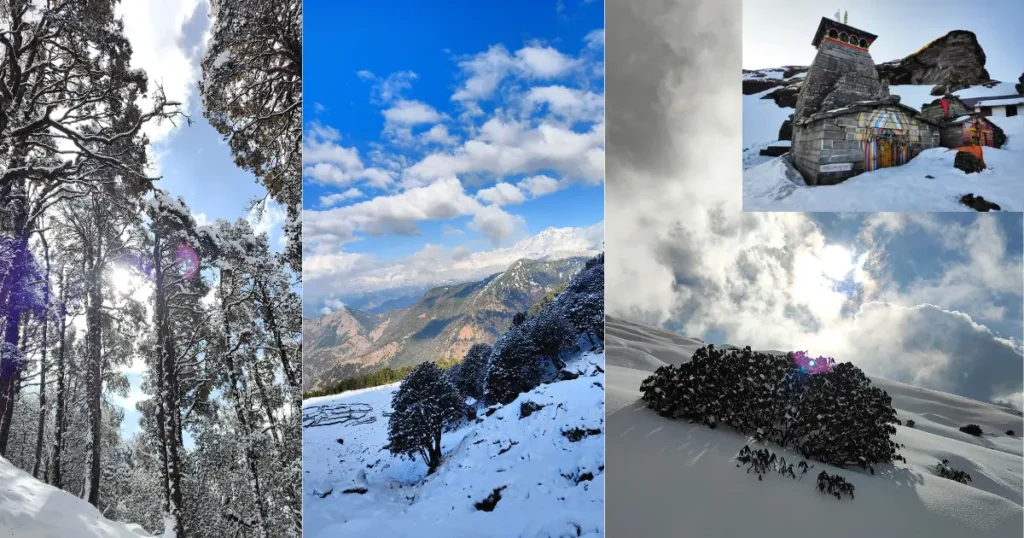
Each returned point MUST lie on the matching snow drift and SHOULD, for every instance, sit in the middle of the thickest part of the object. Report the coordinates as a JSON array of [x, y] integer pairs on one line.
[[31, 509], [671, 478]]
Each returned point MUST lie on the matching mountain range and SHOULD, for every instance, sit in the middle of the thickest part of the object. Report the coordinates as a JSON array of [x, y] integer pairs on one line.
[[442, 324]]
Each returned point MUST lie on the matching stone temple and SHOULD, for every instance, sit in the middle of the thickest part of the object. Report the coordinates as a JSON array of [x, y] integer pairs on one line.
[[846, 123]]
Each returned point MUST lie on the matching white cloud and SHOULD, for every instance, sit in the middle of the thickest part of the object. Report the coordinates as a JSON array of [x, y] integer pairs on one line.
[[410, 113], [544, 62], [541, 185], [329, 163], [595, 39], [505, 148], [389, 88], [501, 194], [439, 134], [497, 225], [155, 30], [570, 104], [396, 214], [333, 199], [484, 71]]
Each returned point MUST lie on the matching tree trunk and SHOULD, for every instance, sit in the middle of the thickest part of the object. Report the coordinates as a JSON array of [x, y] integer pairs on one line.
[[271, 320], [234, 379], [58, 441], [41, 427], [168, 395], [94, 335]]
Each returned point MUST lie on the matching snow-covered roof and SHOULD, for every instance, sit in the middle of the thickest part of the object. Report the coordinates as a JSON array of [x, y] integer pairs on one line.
[[1001, 102], [864, 105]]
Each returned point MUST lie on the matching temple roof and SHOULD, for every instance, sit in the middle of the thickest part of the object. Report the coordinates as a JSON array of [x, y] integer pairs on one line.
[[862, 106], [827, 23]]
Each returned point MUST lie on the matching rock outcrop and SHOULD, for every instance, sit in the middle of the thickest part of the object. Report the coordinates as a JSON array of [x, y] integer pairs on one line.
[[785, 96], [978, 203], [1020, 84], [758, 85], [953, 61], [967, 162]]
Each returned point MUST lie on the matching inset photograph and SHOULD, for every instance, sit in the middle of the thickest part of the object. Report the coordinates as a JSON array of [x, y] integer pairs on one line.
[[882, 107], [453, 294], [150, 309]]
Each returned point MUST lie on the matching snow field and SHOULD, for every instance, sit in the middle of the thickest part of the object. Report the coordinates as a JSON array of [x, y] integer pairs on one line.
[[553, 487]]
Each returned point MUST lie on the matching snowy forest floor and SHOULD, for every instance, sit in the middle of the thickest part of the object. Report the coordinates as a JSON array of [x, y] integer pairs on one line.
[[31, 509], [670, 475], [535, 466]]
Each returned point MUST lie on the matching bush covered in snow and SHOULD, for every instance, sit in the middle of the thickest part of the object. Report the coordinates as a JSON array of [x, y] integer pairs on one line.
[[424, 403], [520, 358], [834, 485], [972, 429], [910, 423], [762, 461], [515, 367], [945, 471], [582, 301], [832, 416], [469, 375]]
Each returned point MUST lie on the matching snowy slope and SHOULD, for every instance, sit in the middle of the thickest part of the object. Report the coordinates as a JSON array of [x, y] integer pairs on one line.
[[772, 187], [672, 478], [32, 509], [537, 465], [1013, 128], [762, 119]]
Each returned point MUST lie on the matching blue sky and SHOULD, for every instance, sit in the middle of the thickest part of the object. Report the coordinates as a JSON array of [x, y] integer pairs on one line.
[[454, 134], [780, 33]]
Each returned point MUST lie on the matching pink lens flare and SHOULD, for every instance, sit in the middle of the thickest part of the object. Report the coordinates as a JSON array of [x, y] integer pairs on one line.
[[819, 365], [187, 260]]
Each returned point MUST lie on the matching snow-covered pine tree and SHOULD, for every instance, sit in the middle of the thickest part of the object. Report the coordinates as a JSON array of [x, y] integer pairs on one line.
[[472, 372], [515, 367], [252, 94], [551, 333], [424, 403]]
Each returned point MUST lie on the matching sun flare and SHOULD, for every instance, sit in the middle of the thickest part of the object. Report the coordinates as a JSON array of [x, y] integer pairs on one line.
[[836, 262]]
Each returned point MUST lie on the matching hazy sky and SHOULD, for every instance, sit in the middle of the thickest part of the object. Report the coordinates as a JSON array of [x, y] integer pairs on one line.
[[428, 156], [780, 33]]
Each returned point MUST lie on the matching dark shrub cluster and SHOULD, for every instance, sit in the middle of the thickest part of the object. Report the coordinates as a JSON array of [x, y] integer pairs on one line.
[[533, 348], [762, 461], [834, 485], [470, 374], [910, 423], [972, 429], [1010, 433], [528, 407], [834, 416], [945, 471]]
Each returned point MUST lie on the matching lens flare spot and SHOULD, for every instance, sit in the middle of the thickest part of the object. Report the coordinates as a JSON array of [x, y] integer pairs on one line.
[[187, 260]]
